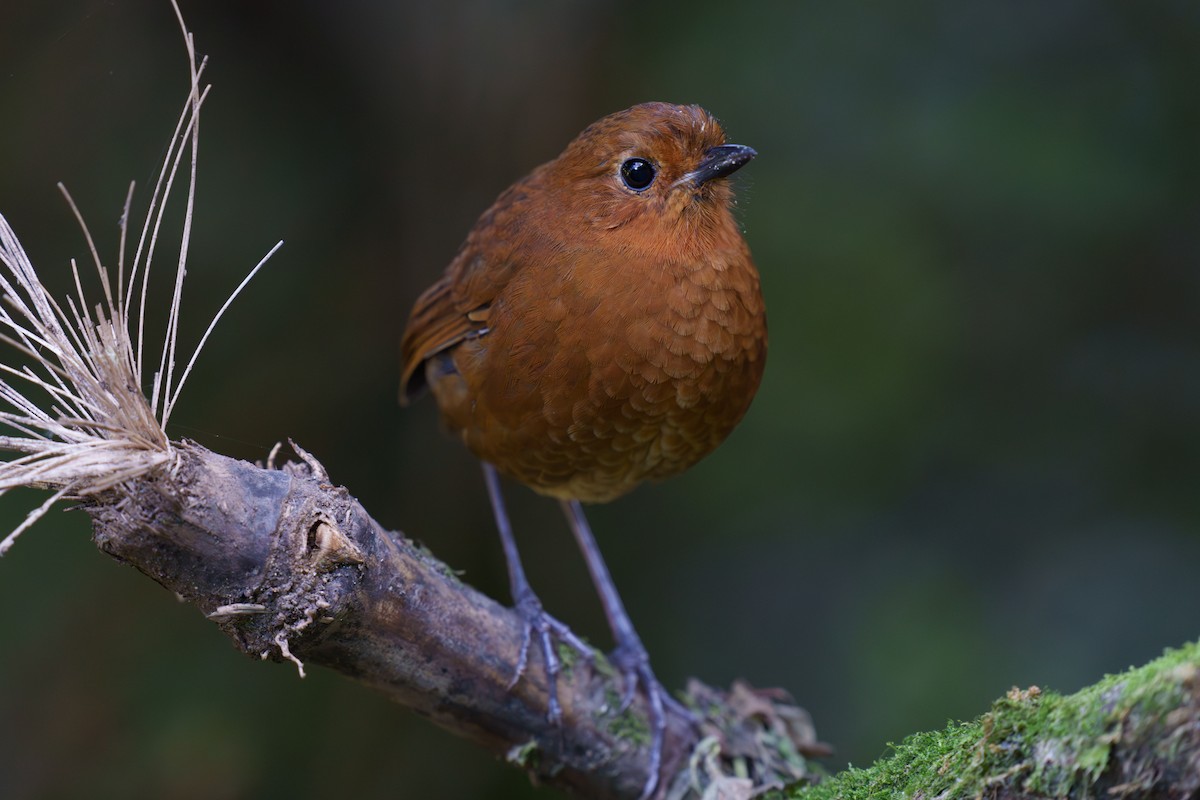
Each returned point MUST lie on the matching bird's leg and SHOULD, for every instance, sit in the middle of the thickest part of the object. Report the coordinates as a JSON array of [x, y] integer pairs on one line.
[[630, 655], [529, 607]]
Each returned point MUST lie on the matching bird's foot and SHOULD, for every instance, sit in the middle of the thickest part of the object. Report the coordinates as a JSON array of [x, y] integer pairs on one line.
[[633, 662], [547, 630]]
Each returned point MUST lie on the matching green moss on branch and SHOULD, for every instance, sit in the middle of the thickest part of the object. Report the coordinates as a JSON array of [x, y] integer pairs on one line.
[[1132, 735]]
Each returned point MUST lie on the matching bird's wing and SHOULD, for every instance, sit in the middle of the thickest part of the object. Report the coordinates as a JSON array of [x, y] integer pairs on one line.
[[456, 307], [441, 318]]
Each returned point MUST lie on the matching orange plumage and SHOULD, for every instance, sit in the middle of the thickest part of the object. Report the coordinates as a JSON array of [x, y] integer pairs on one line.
[[589, 335]]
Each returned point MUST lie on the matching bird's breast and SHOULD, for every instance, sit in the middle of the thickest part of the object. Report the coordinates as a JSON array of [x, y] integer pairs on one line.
[[596, 376]]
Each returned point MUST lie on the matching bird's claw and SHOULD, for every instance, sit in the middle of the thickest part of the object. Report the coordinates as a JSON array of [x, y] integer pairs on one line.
[[632, 661], [547, 628]]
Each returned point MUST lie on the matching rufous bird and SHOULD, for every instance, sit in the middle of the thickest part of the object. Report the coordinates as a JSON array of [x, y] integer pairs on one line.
[[602, 325]]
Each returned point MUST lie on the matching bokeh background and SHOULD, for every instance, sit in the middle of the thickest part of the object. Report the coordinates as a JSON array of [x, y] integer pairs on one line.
[[972, 464]]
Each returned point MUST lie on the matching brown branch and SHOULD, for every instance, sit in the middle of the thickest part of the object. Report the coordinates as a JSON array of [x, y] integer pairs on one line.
[[292, 567]]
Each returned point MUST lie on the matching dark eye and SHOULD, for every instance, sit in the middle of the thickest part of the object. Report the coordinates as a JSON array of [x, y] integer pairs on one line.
[[638, 173]]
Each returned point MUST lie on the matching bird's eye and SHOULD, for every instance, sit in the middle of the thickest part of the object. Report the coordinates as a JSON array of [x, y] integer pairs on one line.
[[637, 173]]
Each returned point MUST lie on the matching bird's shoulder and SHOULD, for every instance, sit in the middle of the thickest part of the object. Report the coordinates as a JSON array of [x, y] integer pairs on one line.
[[457, 306]]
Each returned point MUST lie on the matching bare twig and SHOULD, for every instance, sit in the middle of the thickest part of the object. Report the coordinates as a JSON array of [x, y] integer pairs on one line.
[[99, 429]]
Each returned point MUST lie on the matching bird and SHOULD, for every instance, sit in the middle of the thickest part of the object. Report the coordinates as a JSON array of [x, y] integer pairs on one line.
[[601, 326]]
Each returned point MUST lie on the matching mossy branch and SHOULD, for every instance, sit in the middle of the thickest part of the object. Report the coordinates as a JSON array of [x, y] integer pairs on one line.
[[293, 568], [1134, 736]]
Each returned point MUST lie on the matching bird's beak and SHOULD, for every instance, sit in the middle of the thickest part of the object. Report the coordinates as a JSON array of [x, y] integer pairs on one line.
[[720, 161]]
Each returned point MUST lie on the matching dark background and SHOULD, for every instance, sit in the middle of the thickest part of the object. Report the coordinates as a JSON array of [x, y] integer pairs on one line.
[[973, 462]]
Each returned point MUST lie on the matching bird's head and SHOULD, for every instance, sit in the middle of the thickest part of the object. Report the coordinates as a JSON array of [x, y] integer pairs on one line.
[[650, 177]]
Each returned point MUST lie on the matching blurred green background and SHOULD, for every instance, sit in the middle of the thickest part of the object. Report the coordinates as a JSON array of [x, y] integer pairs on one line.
[[973, 461]]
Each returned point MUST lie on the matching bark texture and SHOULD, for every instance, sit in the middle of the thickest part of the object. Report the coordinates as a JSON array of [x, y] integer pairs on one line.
[[292, 567]]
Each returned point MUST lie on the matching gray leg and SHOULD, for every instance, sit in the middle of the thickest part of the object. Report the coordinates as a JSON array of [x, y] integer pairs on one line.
[[529, 607], [630, 655]]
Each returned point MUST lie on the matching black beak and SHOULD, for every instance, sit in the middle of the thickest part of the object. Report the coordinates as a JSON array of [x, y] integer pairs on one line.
[[721, 161]]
